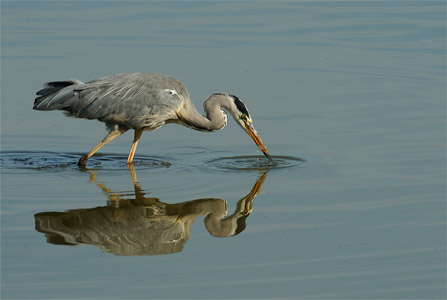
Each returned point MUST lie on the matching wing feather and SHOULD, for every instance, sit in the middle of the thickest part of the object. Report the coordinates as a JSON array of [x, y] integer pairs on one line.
[[134, 100]]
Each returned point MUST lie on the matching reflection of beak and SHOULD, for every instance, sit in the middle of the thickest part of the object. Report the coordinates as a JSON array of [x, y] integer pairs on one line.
[[255, 136]]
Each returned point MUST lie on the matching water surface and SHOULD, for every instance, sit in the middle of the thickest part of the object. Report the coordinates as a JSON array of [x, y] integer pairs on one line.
[[349, 98]]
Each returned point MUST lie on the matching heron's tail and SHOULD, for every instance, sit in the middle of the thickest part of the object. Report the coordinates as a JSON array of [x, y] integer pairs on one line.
[[55, 95]]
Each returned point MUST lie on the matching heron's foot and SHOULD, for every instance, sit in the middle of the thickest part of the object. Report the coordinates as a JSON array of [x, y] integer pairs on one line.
[[83, 161]]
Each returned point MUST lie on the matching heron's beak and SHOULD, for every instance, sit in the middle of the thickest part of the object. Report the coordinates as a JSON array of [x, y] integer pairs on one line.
[[248, 127]]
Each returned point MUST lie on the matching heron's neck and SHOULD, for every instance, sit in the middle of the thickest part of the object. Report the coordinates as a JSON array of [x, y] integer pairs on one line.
[[215, 118]]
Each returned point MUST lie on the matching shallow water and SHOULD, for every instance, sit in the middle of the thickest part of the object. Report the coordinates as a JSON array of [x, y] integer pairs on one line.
[[349, 98]]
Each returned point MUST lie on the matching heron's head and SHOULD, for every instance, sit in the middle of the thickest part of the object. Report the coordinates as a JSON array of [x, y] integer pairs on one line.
[[241, 115]]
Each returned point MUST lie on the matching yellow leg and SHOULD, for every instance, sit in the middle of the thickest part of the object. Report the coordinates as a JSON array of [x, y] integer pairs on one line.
[[115, 132], [136, 138]]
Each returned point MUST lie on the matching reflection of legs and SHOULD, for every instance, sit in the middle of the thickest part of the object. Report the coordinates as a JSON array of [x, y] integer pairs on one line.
[[139, 194], [136, 138], [115, 132], [134, 178], [132, 174]]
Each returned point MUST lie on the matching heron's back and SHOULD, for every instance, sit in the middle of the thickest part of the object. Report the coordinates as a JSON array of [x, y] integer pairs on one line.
[[137, 100]]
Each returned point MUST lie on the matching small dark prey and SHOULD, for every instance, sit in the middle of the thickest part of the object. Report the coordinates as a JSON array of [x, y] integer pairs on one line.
[[142, 102]]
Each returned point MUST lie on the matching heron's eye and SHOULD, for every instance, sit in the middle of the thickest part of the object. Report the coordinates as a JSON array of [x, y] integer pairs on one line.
[[243, 117]]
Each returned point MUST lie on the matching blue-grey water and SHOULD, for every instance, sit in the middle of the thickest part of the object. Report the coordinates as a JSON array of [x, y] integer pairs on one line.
[[349, 98]]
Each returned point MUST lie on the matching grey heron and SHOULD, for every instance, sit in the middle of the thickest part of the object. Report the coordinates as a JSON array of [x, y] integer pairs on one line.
[[142, 102]]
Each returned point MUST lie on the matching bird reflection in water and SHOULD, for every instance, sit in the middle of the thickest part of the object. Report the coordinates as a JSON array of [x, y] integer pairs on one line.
[[143, 225]]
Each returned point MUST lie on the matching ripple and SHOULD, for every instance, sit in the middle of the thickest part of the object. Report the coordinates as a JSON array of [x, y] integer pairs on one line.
[[255, 162], [187, 150], [57, 161]]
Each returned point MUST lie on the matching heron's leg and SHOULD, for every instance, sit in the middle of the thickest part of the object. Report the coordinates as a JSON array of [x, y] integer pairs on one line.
[[115, 132], [136, 138]]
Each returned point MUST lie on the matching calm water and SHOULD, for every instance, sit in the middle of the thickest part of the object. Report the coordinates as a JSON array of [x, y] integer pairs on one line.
[[349, 98]]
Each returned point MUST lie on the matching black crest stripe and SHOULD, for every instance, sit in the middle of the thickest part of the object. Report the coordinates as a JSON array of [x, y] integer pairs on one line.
[[240, 105]]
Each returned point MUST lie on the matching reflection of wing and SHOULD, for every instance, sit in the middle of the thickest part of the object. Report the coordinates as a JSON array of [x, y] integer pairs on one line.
[[134, 230]]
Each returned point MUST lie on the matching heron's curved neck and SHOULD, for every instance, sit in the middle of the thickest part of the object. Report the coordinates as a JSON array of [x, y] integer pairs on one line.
[[215, 118]]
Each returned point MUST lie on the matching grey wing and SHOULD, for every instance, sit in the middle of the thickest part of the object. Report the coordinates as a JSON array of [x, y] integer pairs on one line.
[[136, 100]]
